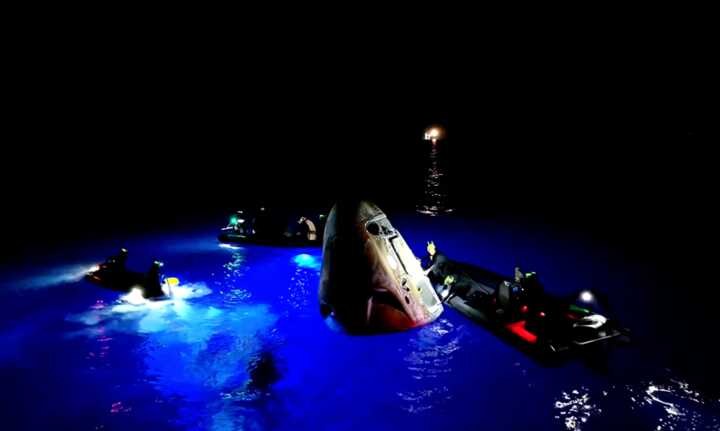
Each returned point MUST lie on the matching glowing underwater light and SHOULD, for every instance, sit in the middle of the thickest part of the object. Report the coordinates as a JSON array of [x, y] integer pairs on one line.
[[304, 260], [135, 297]]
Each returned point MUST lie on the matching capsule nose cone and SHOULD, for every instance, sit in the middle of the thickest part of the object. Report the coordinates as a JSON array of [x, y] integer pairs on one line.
[[370, 281]]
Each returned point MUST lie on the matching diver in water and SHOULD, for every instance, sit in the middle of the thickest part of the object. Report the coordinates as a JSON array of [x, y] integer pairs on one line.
[[263, 371], [153, 288]]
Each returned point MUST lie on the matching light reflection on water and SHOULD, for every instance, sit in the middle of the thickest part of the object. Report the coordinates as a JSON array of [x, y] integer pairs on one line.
[[575, 408], [668, 404], [429, 357], [190, 362], [230, 281], [202, 354], [435, 196], [302, 286], [675, 405]]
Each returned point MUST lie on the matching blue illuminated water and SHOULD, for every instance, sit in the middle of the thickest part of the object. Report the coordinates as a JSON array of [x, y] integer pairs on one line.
[[73, 357]]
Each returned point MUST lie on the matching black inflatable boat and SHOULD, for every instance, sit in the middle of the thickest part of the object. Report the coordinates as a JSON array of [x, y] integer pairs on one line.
[[230, 237], [275, 228], [113, 275], [520, 311]]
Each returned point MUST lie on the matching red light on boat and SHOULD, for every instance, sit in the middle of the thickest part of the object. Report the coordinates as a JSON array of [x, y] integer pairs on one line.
[[541, 314], [524, 309], [518, 328]]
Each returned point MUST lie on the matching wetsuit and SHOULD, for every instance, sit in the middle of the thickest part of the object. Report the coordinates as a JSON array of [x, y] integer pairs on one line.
[[438, 265], [152, 288], [441, 267]]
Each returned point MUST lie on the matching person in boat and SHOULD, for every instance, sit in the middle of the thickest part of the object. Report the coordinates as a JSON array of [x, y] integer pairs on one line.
[[252, 220], [307, 229], [261, 223], [455, 285], [440, 270], [303, 228], [237, 222], [248, 225], [436, 264], [153, 287], [529, 286], [117, 262]]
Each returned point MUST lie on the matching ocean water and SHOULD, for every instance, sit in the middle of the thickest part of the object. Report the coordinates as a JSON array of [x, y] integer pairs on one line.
[[243, 346]]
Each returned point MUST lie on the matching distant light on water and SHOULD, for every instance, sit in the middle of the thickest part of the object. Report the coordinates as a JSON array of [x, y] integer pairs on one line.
[[433, 134], [435, 190]]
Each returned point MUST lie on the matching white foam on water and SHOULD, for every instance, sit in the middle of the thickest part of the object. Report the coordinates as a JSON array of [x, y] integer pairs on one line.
[[133, 313]]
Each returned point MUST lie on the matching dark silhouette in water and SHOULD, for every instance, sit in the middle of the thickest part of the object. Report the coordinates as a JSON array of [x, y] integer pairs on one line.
[[153, 285], [263, 371]]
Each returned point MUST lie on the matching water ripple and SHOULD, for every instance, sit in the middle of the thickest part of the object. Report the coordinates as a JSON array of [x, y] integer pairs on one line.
[[429, 357], [680, 407], [668, 403], [575, 408], [435, 197], [233, 271]]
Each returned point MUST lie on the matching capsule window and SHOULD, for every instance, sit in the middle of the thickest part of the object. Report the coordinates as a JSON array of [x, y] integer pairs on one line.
[[373, 228]]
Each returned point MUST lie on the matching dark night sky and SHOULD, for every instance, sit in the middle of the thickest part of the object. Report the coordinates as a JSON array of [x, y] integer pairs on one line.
[[135, 142]]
